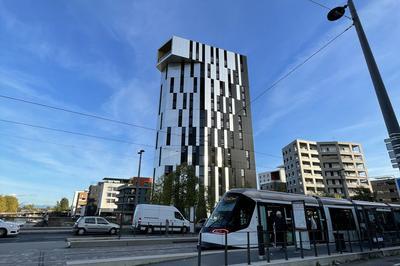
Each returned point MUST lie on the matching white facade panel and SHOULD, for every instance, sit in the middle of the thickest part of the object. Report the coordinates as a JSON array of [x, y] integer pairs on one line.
[[180, 46]]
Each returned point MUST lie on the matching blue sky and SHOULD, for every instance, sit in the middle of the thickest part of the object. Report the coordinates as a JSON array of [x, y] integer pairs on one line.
[[99, 57]]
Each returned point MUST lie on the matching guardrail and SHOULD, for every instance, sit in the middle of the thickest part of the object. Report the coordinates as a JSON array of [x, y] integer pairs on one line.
[[289, 245]]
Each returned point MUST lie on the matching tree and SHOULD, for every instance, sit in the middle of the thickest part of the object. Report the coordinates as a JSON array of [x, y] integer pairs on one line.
[[11, 203], [201, 208], [178, 188], [210, 199], [362, 193], [157, 192], [167, 189], [29, 207], [62, 205], [3, 205]]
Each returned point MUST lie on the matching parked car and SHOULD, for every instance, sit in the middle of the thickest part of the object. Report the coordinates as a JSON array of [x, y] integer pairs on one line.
[[93, 224], [200, 223], [150, 218], [8, 228]]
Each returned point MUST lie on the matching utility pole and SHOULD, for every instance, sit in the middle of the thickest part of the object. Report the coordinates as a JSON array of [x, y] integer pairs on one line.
[[388, 113], [137, 178]]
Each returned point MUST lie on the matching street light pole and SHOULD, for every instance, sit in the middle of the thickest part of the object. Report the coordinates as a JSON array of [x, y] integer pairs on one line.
[[388, 113], [137, 178]]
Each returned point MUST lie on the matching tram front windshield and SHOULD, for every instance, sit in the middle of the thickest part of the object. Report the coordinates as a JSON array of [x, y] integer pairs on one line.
[[233, 213]]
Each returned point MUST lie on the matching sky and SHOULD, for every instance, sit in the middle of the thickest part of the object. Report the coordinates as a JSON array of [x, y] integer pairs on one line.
[[99, 57]]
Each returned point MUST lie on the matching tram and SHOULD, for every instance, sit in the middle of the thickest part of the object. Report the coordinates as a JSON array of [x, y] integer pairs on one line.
[[241, 212]]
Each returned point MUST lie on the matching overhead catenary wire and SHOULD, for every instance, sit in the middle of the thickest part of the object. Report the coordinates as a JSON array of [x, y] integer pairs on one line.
[[96, 117], [76, 112], [91, 135], [302, 63], [157, 130], [98, 150], [148, 128]]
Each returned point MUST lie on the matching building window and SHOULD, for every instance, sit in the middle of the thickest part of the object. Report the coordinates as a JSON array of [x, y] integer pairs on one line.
[[174, 101], [192, 136], [225, 58], [183, 136], [159, 157], [212, 54], [184, 101], [208, 71], [168, 136], [171, 85], [197, 51], [179, 119], [182, 79], [191, 69], [195, 85], [159, 102], [190, 49]]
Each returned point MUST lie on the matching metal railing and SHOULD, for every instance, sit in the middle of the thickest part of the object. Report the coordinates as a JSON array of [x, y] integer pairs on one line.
[[260, 245]]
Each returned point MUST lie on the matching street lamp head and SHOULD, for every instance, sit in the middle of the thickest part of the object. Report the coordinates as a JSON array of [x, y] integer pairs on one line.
[[336, 13], [140, 152]]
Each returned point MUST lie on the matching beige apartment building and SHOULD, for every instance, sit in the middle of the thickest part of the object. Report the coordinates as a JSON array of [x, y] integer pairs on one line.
[[324, 167]]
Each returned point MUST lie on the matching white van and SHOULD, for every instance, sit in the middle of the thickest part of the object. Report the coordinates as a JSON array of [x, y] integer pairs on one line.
[[150, 218]]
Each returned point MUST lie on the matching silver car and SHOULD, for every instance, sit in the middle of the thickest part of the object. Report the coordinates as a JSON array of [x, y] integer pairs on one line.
[[93, 224]]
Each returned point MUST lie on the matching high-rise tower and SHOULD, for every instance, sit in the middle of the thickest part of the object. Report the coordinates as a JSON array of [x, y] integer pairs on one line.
[[204, 115]]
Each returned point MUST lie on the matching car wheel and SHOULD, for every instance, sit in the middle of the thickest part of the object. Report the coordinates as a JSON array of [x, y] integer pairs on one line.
[[113, 231], [149, 230], [3, 232], [184, 230], [81, 231]]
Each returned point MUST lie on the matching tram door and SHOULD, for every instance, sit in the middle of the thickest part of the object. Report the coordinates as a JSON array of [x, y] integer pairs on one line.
[[268, 217], [314, 224]]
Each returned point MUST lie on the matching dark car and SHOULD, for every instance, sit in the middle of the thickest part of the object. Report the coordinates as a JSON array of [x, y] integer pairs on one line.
[[200, 223]]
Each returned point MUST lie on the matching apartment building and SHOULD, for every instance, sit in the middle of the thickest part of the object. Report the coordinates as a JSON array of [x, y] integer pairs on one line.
[[93, 200], [127, 194], [108, 192], [386, 188], [204, 115], [324, 167], [273, 180], [79, 202]]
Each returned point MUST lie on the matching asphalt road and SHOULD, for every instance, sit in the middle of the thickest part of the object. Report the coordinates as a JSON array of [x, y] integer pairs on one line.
[[35, 237], [58, 235], [56, 253]]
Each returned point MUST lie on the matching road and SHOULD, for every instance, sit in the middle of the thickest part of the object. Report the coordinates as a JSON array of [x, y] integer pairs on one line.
[[51, 249]]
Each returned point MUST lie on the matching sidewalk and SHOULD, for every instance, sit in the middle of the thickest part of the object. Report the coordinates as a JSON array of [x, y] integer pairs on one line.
[[191, 259]]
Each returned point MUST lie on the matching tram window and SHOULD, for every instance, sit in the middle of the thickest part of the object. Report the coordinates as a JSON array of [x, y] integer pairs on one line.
[[342, 219], [385, 220], [233, 212], [397, 218]]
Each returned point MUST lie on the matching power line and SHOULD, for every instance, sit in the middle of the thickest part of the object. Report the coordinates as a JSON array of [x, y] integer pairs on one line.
[[91, 116], [127, 155], [75, 133], [77, 112], [88, 115], [71, 146], [273, 85], [99, 137]]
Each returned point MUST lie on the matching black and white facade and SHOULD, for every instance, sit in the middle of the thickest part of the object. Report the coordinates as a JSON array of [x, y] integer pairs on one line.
[[204, 115]]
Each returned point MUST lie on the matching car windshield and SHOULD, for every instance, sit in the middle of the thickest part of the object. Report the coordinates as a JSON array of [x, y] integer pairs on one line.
[[1, 220], [222, 213]]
